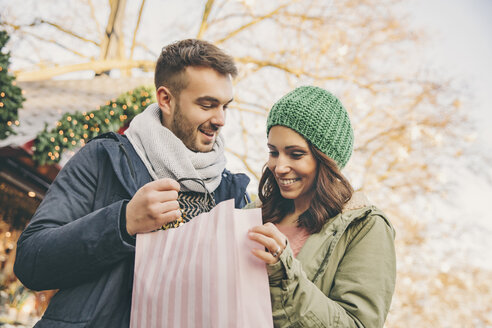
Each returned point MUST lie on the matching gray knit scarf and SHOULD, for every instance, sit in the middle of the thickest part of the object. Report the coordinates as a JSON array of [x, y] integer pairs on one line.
[[165, 155]]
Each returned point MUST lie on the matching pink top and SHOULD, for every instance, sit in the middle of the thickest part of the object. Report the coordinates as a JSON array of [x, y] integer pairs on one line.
[[297, 236]]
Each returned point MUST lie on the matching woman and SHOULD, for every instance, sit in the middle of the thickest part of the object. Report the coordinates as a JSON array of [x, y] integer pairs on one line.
[[330, 255]]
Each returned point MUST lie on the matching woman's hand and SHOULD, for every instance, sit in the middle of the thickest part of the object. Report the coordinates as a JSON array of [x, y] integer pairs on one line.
[[269, 236]]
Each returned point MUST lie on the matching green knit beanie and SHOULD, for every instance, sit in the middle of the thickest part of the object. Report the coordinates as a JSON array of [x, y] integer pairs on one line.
[[319, 117]]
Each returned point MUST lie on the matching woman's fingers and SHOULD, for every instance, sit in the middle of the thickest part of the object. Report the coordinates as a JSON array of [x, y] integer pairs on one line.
[[269, 243], [270, 230], [271, 238], [264, 256]]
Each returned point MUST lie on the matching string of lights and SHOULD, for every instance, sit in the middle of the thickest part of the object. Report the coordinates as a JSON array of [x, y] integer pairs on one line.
[[73, 130]]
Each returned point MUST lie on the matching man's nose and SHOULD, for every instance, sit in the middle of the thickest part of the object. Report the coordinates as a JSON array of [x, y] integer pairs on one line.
[[219, 117]]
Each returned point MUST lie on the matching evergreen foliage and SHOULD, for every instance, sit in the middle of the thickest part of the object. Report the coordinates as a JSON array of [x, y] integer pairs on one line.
[[73, 130], [10, 95]]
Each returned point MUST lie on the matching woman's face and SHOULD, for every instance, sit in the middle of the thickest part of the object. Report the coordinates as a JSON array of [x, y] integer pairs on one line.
[[293, 165]]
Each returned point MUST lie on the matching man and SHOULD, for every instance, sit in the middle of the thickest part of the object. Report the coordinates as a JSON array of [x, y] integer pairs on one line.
[[170, 166]]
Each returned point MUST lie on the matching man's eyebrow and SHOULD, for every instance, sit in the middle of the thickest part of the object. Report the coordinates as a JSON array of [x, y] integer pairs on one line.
[[212, 99]]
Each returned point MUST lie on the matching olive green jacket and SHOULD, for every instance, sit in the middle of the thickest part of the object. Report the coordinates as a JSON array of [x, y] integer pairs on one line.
[[344, 276]]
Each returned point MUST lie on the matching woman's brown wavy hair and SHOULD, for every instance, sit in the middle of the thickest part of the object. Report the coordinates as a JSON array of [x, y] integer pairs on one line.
[[331, 191]]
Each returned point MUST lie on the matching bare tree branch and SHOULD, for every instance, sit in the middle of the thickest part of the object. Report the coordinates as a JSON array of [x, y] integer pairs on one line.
[[298, 72], [224, 18], [256, 20], [397, 129], [244, 159], [64, 30], [112, 45], [142, 4], [204, 23], [94, 18], [242, 109], [96, 65], [55, 42], [144, 46], [268, 63], [58, 27], [239, 104]]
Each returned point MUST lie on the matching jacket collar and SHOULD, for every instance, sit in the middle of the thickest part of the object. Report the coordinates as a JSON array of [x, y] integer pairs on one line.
[[127, 166]]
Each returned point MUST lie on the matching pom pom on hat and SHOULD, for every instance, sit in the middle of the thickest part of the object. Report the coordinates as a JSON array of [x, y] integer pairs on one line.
[[319, 117]]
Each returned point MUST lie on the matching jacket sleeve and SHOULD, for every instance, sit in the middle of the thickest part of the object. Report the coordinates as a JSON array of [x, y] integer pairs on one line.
[[362, 288], [67, 242]]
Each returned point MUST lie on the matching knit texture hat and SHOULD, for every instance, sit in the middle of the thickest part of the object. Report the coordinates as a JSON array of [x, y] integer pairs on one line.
[[319, 117]]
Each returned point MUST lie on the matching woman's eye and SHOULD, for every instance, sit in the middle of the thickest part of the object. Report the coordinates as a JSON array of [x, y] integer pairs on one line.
[[273, 153], [297, 155]]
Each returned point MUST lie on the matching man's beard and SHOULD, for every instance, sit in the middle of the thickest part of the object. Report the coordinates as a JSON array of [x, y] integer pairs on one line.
[[185, 131]]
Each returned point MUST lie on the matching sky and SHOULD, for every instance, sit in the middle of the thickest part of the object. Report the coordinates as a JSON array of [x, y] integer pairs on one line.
[[460, 35]]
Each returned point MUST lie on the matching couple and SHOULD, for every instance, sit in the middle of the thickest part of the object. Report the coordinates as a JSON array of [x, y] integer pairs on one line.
[[329, 255]]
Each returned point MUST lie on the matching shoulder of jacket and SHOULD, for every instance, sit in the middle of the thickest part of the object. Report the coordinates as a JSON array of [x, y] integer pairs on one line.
[[357, 201], [238, 179], [359, 211], [111, 142], [228, 174], [107, 145], [368, 218], [108, 136]]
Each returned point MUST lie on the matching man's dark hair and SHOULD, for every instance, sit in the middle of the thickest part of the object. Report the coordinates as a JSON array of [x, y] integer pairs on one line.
[[174, 58]]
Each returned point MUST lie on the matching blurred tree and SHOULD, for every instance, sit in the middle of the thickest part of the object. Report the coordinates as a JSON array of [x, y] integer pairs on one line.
[[93, 48], [10, 95], [410, 124]]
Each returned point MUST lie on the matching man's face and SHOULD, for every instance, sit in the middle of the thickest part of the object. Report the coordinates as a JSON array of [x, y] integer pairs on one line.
[[199, 111]]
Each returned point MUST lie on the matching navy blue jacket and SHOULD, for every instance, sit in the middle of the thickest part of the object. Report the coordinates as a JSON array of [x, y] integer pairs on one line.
[[77, 242]]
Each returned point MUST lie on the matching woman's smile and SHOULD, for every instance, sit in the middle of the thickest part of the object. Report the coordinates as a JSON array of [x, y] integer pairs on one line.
[[287, 182]]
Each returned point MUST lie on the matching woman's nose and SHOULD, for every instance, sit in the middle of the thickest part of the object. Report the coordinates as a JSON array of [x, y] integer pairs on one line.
[[282, 167]]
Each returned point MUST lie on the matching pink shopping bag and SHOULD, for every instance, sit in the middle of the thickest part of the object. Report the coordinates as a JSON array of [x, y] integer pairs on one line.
[[202, 274]]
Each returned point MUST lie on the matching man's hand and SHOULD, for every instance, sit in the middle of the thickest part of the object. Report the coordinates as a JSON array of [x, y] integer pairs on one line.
[[152, 206]]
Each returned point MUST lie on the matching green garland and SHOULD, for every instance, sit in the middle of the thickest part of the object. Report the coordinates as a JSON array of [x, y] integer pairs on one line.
[[73, 130], [10, 95]]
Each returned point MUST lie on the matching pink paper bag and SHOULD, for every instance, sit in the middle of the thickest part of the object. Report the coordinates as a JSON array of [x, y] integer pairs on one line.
[[202, 274]]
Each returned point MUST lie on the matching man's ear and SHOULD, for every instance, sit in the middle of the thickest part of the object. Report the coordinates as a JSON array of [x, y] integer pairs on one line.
[[165, 100]]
